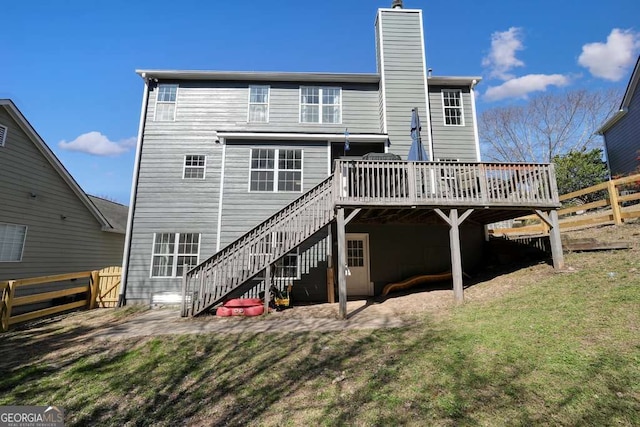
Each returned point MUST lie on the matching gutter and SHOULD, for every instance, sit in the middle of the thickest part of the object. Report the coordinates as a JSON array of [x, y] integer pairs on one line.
[[612, 121], [122, 298]]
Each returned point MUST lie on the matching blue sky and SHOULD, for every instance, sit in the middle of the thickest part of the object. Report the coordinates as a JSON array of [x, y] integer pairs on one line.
[[69, 64]]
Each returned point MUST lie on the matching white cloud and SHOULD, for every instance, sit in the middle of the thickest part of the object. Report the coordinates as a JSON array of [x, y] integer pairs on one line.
[[610, 60], [522, 86], [98, 144], [502, 57]]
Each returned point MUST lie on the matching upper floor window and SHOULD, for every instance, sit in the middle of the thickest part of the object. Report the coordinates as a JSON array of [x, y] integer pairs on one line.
[[452, 105], [275, 169], [194, 166], [166, 102], [320, 104], [3, 135], [173, 253], [258, 104], [12, 238]]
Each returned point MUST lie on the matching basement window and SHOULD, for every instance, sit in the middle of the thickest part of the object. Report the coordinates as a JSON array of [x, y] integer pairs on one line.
[[173, 253], [287, 267]]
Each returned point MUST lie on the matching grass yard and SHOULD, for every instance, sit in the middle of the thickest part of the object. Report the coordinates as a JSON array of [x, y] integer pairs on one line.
[[556, 349]]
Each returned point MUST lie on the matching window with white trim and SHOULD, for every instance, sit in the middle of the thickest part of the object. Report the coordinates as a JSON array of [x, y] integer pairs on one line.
[[166, 102], [172, 252], [275, 169], [452, 106], [12, 238], [3, 135], [258, 104], [320, 104], [194, 166], [287, 267]]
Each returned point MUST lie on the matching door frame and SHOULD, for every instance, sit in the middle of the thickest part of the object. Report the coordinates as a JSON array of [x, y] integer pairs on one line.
[[367, 259]]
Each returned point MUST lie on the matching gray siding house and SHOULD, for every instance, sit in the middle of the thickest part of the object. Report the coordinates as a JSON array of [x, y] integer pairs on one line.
[[239, 171], [622, 131], [48, 225]]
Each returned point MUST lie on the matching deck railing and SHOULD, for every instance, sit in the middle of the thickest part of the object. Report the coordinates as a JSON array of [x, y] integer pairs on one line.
[[400, 183]]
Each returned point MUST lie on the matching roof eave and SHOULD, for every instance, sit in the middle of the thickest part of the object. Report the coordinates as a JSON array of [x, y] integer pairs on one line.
[[632, 86], [22, 121], [260, 76], [612, 121], [454, 80]]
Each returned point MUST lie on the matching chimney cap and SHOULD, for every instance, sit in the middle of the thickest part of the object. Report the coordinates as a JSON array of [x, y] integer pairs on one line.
[[396, 4]]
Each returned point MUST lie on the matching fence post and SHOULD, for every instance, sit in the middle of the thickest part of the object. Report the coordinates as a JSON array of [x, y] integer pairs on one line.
[[7, 302], [615, 203], [94, 287]]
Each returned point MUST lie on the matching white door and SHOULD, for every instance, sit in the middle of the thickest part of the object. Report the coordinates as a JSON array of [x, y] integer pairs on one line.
[[358, 283]]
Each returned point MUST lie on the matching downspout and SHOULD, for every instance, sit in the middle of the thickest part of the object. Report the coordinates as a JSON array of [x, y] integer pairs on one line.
[[122, 298]]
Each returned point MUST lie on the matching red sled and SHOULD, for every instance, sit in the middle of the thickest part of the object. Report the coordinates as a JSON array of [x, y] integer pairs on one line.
[[255, 310]]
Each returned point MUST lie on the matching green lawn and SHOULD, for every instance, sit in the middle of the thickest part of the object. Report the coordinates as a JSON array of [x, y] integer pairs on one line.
[[556, 349]]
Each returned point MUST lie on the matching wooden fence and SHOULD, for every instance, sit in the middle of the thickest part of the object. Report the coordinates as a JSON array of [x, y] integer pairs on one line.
[[620, 201], [100, 289]]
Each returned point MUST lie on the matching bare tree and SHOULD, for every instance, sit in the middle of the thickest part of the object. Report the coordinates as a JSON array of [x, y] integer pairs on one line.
[[548, 125]]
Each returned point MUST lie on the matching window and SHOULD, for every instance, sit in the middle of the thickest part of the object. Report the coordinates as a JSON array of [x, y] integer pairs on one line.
[[166, 103], [320, 104], [355, 253], [12, 238], [452, 105], [258, 104], [3, 135], [275, 169], [194, 167], [172, 252], [286, 267]]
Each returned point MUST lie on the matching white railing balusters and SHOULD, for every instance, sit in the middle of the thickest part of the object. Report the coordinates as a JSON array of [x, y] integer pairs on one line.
[[396, 183]]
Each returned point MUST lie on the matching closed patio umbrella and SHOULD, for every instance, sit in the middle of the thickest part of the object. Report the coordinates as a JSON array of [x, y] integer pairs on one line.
[[417, 152]]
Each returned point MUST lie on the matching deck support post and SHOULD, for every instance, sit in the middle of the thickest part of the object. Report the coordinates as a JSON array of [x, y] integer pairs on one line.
[[551, 219], [556, 242], [456, 258], [331, 293], [267, 289], [342, 263], [454, 243]]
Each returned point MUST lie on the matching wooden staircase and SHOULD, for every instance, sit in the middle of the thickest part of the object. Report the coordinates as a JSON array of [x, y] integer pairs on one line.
[[225, 273]]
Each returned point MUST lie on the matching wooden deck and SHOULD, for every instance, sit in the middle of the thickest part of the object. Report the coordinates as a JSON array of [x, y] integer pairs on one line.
[[451, 192], [367, 183]]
